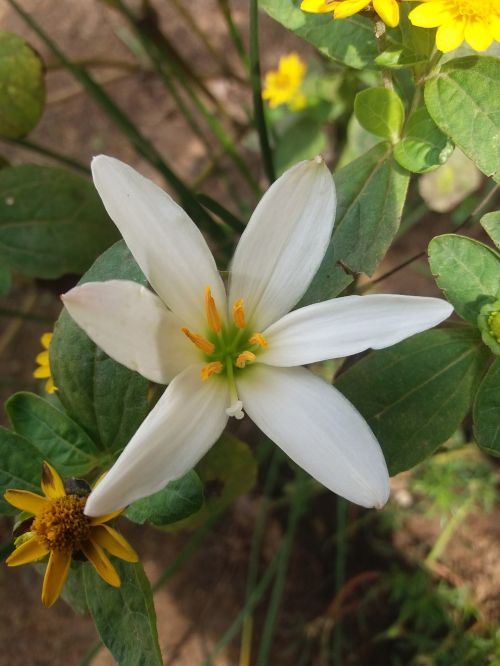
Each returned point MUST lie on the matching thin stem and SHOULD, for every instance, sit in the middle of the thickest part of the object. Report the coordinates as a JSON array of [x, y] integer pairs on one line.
[[48, 152], [225, 215], [234, 32], [449, 530], [258, 105], [340, 569], [122, 121]]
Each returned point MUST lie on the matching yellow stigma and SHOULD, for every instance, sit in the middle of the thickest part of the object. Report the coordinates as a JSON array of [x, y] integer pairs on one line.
[[211, 369], [62, 525], [201, 342], [211, 310], [239, 314], [258, 339], [244, 358]]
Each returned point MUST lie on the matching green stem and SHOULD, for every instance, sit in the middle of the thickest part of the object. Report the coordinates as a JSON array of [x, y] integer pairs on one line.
[[340, 569], [258, 105], [234, 32], [448, 531], [225, 215], [48, 152], [122, 121]]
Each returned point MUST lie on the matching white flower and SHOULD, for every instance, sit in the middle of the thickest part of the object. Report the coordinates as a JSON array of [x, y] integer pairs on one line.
[[224, 355]]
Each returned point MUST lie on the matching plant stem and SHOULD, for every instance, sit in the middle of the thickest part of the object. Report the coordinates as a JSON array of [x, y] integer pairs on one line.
[[340, 567], [234, 32], [258, 105], [48, 152], [448, 531]]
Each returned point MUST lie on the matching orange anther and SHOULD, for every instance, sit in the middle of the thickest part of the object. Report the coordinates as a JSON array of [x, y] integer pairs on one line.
[[239, 314], [211, 310], [201, 342], [211, 369], [258, 339], [244, 358]]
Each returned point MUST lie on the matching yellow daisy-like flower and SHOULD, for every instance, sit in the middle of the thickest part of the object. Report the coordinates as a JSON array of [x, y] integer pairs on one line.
[[388, 10], [43, 370], [60, 529], [282, 86], [476, 21]]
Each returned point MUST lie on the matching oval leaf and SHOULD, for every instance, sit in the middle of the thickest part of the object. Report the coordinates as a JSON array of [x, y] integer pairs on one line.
[[491, 224], [380, 111], [20, 467], [303, 140], [22, 87], [467, 271], [415, 394], [487, 411], [423, 147]]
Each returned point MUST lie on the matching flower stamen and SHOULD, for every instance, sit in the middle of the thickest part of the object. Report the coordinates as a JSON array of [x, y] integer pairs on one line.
[[244, 358], [239, 314], [213, 368], [201, 342], [213, 317], [258, 339]]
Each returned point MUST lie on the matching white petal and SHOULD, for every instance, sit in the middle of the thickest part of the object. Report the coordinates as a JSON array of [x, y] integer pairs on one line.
[[132, 325], [319, 429], [186, 421], [166, 244], [349, 325], [282, 247]]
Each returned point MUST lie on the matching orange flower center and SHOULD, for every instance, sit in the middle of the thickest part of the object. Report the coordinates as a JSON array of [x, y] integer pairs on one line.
[[474, 8], [62, 525]]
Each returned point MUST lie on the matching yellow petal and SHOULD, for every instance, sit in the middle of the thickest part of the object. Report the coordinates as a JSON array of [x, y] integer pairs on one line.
[[26, 500], [42, 358], [318, 6], [431, 14], [495, 27], [99, 520], [448, 37], [478, 34], [52, 484], [109, 538], [29, 551], [43, 372], [388, 10], [100, 561], [45, 340], [55, 576], [349, 7], [50, 387]]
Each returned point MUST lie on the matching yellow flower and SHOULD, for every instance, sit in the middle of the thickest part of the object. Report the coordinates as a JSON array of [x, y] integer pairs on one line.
[[43, 370], [388, 10], [60, 529], [282, 86], [476, 21]]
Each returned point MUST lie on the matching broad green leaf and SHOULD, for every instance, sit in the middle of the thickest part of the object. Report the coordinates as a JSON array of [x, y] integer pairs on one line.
[[20, 467], [52, 221], [380, 111], [415, 394], [227, 471], [125, 616], [359, 141], [5, 278], [350, 40], [464, 101], [73, 591], [58, 438], [491, 224], [487, 411], [398, 57], [301, 141], [178, 500], [467, 271], [423, 146], [421, 41], [22, 87], [371, 192], [102, 396]]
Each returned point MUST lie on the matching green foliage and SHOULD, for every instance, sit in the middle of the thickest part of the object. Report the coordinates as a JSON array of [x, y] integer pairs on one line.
[[371, 192], [125, 616], [423, 146], [464, 102], [52, 222], [57, 437], [302, 140], [73, 591], [467, 271], [20, 466], [22, 86], [415, 394], [487, 411], [104, 397], [381, 112], [491, 224], [178, 500], [5, 279]]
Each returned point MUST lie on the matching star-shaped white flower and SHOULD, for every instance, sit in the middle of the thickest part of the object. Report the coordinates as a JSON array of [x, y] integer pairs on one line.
[[223, 355]]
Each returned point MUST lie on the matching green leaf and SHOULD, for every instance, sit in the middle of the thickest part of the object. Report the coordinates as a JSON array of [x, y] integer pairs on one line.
[[125, 616], [227, 471], [303, 140], [491, 224], [467, 271], [20, 467], [487, 410], [178, 500], [415, 394], [423, 146], [351, 40], [464, 101], [380, 111], [22, 87], [52, 221], [397, 57], [5, 279], [59, 439], [102, 396], [73, 591], [371, 192]]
